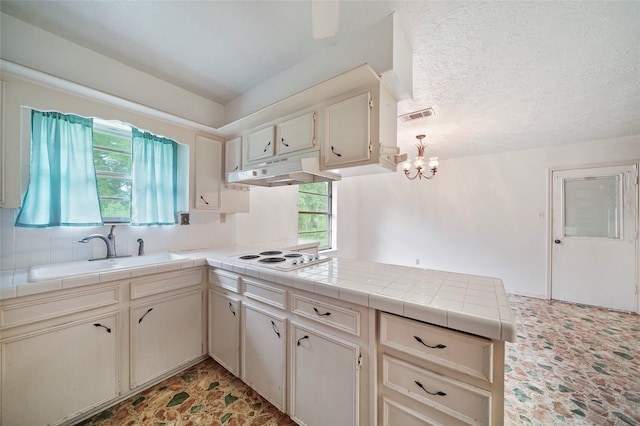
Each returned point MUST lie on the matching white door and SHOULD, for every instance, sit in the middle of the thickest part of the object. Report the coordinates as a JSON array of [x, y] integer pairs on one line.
[[594, 231]]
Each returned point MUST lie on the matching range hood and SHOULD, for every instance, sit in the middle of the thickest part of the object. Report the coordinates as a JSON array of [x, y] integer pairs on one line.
[[285, 172]]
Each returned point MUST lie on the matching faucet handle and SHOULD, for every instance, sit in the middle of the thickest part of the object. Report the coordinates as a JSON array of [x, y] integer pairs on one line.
[[140, 247]]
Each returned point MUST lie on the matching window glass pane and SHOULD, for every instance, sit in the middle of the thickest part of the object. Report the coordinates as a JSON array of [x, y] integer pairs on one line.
[[312, 222], [315, 188], [104, 140], [592, 207], [322, 237], [109, 161], [313, 203], [115, 210], [114, 187]]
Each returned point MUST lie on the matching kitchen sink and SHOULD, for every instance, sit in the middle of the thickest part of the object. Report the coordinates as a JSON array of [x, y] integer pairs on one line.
[[83, 267]]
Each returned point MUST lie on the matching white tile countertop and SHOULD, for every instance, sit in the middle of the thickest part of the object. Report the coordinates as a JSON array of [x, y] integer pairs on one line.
[[468, 303]]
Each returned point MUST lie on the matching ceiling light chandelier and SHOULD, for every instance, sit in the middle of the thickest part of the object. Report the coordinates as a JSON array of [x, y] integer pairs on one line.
[[419, 163]]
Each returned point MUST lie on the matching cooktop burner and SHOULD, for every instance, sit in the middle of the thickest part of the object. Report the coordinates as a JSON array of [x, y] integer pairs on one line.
[[283, 260], [249, 257], [272, 259]]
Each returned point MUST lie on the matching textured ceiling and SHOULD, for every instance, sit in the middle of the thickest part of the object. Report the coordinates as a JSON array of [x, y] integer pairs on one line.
[[499, 75]]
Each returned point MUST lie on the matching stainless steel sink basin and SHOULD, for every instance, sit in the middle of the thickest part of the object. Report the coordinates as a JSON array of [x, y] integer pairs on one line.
[[84, 267]]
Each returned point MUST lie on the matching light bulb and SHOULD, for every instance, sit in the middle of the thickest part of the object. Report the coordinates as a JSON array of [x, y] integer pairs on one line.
[[433, 162], [419, 162]]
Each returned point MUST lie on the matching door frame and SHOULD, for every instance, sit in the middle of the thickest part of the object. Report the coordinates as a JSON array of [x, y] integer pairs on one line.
[[549, 233]]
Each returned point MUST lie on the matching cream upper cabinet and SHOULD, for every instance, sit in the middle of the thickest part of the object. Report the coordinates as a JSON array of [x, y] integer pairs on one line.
[[208, 173], [296, 134], [325, 373], [165, 334], [65, 369], [347, 131], [360, 132], [260, 144], [232, 155]]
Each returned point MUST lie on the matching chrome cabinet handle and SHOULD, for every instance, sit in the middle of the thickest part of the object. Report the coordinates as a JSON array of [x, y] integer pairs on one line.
[[205, 201], [266, 146], [336, 153], [231, 309], [302, 338], [284, 143]]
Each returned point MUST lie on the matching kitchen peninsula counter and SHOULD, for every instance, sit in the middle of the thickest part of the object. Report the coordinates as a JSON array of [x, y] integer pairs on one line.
[[469, 303]]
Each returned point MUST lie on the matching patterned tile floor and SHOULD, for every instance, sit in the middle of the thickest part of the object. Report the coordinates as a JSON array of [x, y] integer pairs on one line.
[[571, 365]]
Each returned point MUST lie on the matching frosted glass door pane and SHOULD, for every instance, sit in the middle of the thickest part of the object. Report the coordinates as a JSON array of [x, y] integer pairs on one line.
[[592, 207]]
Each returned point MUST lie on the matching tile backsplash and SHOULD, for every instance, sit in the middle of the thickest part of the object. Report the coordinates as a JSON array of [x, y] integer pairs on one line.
[[24, 247]]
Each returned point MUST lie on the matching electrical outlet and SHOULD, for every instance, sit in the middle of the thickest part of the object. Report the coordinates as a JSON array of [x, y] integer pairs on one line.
[[223, 218], [417, 261]]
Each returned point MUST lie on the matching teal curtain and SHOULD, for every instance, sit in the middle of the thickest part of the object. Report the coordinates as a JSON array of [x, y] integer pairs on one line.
[[153, 179], [62, 179]]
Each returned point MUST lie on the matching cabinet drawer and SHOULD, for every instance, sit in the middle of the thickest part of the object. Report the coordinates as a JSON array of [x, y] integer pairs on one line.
[[225, 280], [165, 282], [265, 293], [464, 402], [458, 351], [51, 307], [326, 313], [396, 414]]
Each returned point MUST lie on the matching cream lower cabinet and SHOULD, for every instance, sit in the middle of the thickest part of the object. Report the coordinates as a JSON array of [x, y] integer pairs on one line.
[[264, 351], [164, 334], [431, 375], [58, 372], [224, 330], [324, 378]]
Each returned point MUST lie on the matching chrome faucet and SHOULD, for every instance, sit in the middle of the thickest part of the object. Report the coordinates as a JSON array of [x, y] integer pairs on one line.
[[109, 241], [112, 238]]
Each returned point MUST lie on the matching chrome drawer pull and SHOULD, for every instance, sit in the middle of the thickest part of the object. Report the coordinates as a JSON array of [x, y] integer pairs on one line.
[[326, 314], [439, 346], [438, 393]]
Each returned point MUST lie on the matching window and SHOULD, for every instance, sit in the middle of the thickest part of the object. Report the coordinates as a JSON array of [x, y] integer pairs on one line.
[[112, 160], [87, 171], [314, 213]]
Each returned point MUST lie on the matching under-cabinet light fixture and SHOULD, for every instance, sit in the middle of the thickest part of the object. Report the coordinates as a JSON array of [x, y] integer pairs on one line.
[[419, 163]]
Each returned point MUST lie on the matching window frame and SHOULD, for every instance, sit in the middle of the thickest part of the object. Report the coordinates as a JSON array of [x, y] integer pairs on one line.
[[328, 213], [120, 130]]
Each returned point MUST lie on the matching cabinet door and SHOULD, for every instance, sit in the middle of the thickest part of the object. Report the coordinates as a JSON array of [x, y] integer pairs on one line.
[[296, 134], [264, 337], [260, 144], [208, 173], [325, 373], [347, 131], [60, 372], [164, 335], [232, 155], [224, 330]]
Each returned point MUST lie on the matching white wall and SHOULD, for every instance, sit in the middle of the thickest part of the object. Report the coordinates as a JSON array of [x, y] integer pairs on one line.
[[273, 216], [483, 215]]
